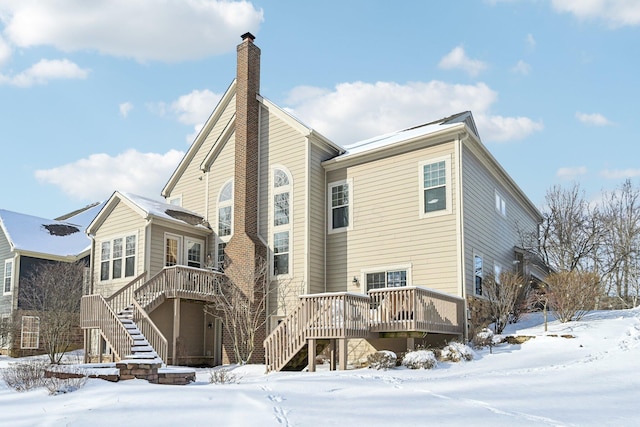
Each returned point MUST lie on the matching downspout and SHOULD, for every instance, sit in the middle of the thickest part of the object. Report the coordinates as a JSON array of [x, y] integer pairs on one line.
[[460, 225], [324, 231], [147, 247]]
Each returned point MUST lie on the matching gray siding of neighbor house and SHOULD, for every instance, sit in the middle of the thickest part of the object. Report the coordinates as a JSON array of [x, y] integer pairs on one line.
[[191, 185], [387, 230], [6, 301], [486, 231], [121, 222]]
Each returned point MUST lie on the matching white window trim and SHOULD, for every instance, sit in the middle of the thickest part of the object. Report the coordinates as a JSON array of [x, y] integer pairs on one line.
[[363, 273], [448, 190], [497, 269], [500, 204], [124, 256], [330, 229], [185, 251], [224, 239], [22, 346], [283, 227], [11, 280]]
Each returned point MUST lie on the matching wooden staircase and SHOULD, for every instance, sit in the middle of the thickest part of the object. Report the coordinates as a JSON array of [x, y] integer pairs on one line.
[[123, 318]]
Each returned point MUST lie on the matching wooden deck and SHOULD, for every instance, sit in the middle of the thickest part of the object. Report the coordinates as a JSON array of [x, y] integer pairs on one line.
[[340, 316]]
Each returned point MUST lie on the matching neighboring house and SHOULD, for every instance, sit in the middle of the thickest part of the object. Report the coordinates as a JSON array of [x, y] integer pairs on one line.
[[26, 243], [380, 244]]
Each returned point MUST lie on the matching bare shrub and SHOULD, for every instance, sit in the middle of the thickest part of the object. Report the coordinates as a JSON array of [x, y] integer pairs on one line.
[[420, 359], [64, 385], [223, 376], [572, 294], [483, 338], [25, 376], [382, 360], [502, 292]]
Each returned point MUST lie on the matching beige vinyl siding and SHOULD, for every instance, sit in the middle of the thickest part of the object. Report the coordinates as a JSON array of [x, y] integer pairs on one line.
[[486, 231], [121, 222], [283, 146], [221, 171], [317, 215], [387, 230], [192, 184]]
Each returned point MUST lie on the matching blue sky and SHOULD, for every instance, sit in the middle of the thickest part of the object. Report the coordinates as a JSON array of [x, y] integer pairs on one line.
[[107, 95]]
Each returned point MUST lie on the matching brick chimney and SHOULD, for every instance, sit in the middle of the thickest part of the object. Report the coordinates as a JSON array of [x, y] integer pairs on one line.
[[245, 250]]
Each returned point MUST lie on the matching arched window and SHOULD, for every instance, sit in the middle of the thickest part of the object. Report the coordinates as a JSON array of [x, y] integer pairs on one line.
[[281, 221], [225, 220]]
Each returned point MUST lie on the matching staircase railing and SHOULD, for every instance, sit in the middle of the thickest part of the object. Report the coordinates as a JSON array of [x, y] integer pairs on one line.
[[122, 298], [154, 337], [95, 312], [322, 316]]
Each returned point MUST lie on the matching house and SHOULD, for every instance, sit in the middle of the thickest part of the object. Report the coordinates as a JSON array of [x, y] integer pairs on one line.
[[380, 244], [26, 243]]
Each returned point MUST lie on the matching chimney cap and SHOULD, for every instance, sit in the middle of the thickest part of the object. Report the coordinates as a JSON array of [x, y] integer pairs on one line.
[[249, 36]]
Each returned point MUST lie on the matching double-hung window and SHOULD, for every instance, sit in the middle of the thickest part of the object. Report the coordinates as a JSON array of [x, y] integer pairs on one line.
[[281, 221], [435, 187], [30, 334], [386, 279], [501, 204], [118, 258], [340, 205], [8, 276]]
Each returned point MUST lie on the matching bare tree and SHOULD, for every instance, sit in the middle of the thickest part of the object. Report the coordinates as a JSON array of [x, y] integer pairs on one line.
[[571, 230], [502, 293], [52, 292], [243, 311], [621, 249], [571, 294]]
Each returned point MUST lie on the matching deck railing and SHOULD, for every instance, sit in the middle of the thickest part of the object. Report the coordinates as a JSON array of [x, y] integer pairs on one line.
[[121, 299], [413, 308], [95, 312]]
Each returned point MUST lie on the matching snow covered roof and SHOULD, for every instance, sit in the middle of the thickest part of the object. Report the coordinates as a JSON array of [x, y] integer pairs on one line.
[[27, 233], [388, 139], [150, 208]]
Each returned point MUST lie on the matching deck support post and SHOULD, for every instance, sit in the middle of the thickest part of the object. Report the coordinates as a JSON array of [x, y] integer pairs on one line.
[[411, 343], [86, 346], [342, 353], [311, 358], [100, 348], [176, 330], [332, 354]]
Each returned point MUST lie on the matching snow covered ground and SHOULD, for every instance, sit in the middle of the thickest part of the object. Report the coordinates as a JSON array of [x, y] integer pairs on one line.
[[589, 380]]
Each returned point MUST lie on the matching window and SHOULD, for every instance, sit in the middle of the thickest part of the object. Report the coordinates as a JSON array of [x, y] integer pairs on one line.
[[220, 255], [477, 273], [339, 202], [281, 253], [118, 257], [8, 276], [175, 201], [501, 205], [281, 221], [386, 279], [435, 191], [194, 253], [30, 337], [225, 207], [172, 250]]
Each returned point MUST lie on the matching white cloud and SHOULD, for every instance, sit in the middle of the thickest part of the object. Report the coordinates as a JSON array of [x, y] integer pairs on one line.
[[619, 174], [531, 42], [5, 51], [96, 177], [594, 119], [125, 109], [44, 71], [457, 58], [171, 30], [521, 68], [355, 111], [615, 13], [571, 173]]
